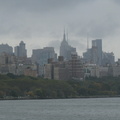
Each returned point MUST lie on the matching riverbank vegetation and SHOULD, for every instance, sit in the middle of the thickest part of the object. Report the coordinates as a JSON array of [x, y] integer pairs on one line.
[[12, 86]]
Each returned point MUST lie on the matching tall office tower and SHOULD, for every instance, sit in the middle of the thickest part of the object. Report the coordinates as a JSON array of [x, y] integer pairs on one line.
[[41, 57], [65, 49], [16, 51], [97, 44], [20, 51], [6, 49]]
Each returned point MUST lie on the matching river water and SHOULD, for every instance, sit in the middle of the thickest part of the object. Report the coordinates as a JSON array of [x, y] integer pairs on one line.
[[61, 109]]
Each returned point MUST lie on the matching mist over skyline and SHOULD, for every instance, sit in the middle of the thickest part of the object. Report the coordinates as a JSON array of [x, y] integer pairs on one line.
[[40, 23]]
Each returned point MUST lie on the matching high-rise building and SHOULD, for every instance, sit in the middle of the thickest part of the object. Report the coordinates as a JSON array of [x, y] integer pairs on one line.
[[65, 49], [65, 70], [76, 67], [6, 49], [94, 55], [97, 44], [41, 57], [16, 51], [20, 51]]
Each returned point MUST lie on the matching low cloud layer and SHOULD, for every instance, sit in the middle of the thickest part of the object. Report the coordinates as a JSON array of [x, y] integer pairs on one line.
[[41, 22]]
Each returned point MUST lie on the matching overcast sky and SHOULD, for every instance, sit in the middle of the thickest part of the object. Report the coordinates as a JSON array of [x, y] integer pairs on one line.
[[41, 23]]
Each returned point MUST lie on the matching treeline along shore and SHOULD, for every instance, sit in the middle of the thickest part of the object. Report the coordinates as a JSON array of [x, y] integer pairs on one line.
[[24, 87]]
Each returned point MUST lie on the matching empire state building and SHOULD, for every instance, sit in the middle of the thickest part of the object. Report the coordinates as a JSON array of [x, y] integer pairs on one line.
[[65, 49]]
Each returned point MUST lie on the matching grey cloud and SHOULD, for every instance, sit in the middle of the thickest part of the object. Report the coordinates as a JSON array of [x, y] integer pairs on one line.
[[78, 44], [116, 1], [26, 19], [99, 29], [31, 14], [37, 5], [55, 44], [100, 19]]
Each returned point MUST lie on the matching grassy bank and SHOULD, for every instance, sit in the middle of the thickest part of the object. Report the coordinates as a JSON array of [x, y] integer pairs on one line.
[[22, 87]]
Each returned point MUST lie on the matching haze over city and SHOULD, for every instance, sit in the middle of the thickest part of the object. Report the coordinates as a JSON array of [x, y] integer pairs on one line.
[[41, 23]]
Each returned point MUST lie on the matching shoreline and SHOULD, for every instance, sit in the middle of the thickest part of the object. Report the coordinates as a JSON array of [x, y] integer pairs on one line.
[[79, 97]]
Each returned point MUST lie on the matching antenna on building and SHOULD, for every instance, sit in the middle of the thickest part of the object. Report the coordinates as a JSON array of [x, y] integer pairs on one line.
[[87, 41], [67, 35], [64, 37]]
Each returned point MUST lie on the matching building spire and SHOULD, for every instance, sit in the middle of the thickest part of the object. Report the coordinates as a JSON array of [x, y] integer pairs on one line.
[[64, 36], [87, 42], [67, 36]]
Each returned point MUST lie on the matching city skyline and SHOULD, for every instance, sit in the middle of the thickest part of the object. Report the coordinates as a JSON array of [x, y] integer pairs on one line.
[[40, 23], [66, 48]]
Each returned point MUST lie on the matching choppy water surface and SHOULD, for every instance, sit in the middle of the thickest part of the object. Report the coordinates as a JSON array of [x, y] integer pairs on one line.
[[61, 109]]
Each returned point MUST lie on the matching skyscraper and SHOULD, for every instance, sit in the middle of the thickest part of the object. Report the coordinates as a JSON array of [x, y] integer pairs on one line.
[[66, 49], [6, 49], [20, 51], [94, 55], [97, 44], [41, 57]]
